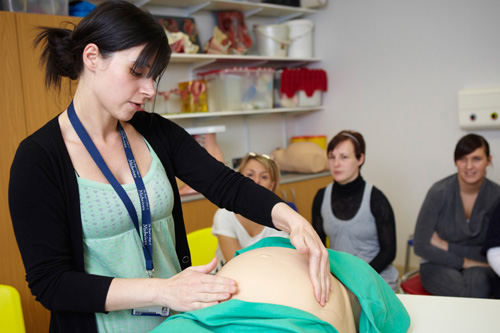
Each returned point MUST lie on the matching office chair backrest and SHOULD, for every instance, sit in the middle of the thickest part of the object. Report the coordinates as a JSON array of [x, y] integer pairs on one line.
[[202, 245], [11, 312]]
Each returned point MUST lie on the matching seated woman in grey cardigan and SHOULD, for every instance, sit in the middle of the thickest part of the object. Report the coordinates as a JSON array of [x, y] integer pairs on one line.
[[453, 222]]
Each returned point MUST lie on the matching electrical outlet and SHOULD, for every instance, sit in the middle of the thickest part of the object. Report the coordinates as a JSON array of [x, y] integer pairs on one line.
[[479, 109]]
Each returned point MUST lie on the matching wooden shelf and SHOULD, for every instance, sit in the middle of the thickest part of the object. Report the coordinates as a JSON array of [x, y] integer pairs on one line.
[[297, 110]]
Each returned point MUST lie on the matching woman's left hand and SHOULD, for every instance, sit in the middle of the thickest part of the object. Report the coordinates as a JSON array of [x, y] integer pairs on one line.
[[306, 241]]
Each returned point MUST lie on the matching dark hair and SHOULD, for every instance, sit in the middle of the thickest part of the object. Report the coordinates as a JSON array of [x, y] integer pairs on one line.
[[113, 26], [469, 143], [355, 137]]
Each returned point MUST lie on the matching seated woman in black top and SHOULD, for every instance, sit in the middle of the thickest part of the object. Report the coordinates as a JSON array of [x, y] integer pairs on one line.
[[355, 215]]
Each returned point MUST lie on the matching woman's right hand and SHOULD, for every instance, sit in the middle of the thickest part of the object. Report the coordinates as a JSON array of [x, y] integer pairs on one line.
[[468, 263], [194, 288]]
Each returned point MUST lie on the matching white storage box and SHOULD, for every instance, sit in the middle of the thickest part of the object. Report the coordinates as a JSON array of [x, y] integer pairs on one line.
[[239, 89], [272, 40], [301, 35]]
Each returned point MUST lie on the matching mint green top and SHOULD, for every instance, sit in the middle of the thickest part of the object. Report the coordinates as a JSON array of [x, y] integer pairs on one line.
[[381, 310], [112, 246]]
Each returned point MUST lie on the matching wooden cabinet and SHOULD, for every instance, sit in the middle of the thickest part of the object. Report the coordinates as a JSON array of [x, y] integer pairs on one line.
[[199, 213], [304, 190], [40, 104], [26, 107], [12, 130]]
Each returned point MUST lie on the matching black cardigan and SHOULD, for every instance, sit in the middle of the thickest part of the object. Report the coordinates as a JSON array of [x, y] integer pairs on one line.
[[45, 209]]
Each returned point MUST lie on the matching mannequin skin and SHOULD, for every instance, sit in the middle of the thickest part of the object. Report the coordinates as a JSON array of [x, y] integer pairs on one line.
[[267, 275]]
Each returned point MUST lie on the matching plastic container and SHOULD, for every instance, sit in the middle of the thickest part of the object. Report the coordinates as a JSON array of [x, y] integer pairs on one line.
[[80, 8], [193, 96], [236, 89], [272, 40], [54, 7], [293, 3], [224, 91], [14, 5], [301, 38], [312, 3], [300, 87]]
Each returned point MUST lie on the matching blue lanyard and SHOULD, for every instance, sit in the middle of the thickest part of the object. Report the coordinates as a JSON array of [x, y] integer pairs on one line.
[[147, 234]]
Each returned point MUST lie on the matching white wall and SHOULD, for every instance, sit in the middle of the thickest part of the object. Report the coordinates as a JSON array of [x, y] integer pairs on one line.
[[394, 69]]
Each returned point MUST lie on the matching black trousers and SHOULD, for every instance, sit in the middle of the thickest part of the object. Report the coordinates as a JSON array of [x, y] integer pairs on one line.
[[478, 282]]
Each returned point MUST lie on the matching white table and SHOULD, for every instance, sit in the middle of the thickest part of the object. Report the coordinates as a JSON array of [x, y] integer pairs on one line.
[[451, 314]]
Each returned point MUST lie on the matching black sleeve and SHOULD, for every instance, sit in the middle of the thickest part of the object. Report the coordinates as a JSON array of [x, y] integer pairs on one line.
[[386, 230], [191, 163], [317, 220], [493, 234], [428, 217], [39, 210]]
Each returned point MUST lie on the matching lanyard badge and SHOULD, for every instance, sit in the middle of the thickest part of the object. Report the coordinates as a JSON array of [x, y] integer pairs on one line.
[[147, 234]]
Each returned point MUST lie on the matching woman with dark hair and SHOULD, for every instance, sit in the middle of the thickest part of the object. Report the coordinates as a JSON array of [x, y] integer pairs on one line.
[[355, 215], [93, 195], [452, 224]]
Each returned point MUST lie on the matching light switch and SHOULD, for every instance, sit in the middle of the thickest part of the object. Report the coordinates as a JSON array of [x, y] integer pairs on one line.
[[479, 109]]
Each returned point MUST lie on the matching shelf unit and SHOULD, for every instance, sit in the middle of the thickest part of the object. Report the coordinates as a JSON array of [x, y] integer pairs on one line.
[[205, 62], [197, 63], [246, 114], [281, 13]]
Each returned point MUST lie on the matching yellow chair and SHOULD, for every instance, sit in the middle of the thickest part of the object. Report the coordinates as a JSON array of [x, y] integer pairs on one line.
[[11, 312], [202, 245]]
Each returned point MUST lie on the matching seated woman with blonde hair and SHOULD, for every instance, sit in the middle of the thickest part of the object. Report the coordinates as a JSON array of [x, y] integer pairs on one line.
[[275, 295], [233, 231]]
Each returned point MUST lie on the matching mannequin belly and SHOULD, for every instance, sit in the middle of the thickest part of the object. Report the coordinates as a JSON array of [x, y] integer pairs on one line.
[[281, 276]]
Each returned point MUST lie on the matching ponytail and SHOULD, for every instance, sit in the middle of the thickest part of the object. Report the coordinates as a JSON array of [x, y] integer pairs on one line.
[[113, 26], [59, 56]]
